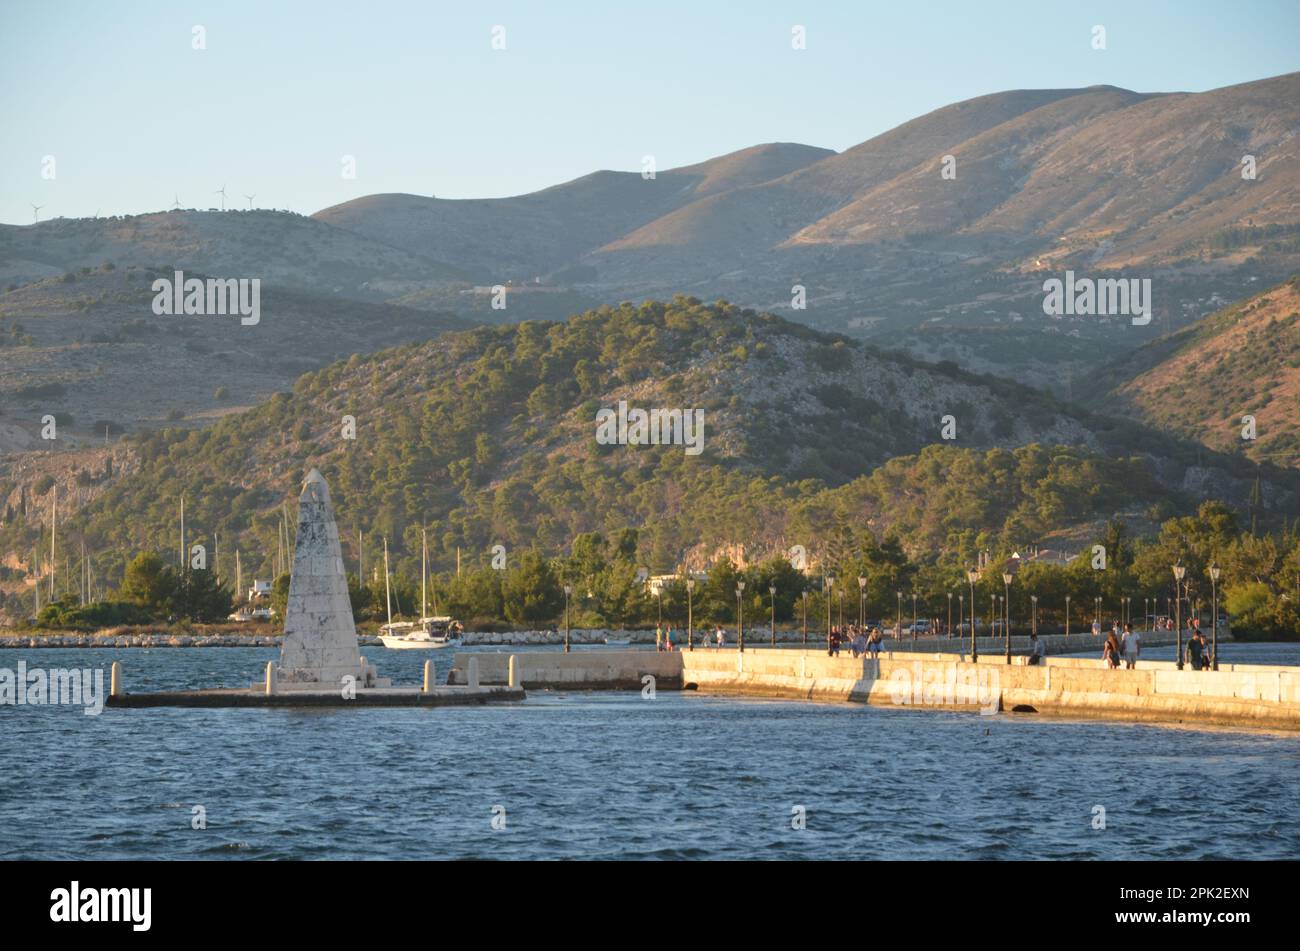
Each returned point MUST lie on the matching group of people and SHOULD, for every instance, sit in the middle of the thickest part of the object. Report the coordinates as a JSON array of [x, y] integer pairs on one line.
[[665, 642], [1126, 645], [858, 640], [668, 640]]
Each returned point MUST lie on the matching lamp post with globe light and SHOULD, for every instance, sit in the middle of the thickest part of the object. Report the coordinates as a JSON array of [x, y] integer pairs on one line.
[[690, 615], [827, 585], [1180, 570], [972, 576], [568, 590], [771, 590], [1006, 581], [862, 601], [1215, 573], [740, 616]]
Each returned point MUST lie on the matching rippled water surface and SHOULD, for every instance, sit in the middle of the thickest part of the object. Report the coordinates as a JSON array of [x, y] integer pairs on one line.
[[605, 775]]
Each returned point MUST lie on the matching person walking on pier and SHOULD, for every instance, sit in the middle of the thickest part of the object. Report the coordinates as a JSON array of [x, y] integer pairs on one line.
[[722, 637], [1132, 645], [1110, 651], [1194, 650], [670, 639]]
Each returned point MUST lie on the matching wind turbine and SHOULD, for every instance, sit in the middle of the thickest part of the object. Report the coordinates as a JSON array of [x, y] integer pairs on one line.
[[250, 201], [222, 192], [176, 204], [35, 212]]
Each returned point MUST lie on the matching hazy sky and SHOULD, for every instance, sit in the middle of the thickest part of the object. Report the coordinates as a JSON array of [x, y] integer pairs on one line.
[[133, 114]]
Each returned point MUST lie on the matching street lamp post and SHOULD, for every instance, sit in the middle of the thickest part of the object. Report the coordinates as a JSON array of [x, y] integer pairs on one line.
[[898, 631], [862, 601], [690, 615], [827, 586], [772, 591], [1006, 581], [1179, 571], [961, 611], [950, 614], [805, 599], [914, 617], [1067, 615], [740, 615], [568, 590], [1215, 572], [1033, 624], [805, 617], [972, 576], [841, 590]]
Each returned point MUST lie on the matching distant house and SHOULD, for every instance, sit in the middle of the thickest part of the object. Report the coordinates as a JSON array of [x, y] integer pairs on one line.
[[655, 584], [1049, 556]]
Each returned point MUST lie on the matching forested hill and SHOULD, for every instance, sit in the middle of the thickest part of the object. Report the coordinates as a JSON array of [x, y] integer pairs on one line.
[[1206, 380], [488, 436]]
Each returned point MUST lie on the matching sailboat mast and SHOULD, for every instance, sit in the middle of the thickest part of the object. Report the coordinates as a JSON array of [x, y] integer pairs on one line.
[[183, 559], [424, 572], [54, 530], [388, 596]]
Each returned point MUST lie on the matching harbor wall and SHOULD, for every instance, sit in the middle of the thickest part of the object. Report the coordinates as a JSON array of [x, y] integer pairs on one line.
[[582, 670], [1237, 695]]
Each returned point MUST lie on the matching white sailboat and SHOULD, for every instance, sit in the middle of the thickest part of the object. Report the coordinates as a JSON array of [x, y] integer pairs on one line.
[[429, 632]]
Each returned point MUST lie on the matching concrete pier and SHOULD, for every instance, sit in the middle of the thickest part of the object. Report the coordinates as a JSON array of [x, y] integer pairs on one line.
[[1237, 695]]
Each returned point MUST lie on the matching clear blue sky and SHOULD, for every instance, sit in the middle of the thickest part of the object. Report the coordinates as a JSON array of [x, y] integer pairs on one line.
[[132, 114]]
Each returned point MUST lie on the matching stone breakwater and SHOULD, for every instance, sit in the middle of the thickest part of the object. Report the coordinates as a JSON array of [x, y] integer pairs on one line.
[[1237, 695]]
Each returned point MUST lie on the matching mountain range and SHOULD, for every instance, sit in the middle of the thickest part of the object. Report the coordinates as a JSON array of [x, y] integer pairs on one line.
[[935, 236]]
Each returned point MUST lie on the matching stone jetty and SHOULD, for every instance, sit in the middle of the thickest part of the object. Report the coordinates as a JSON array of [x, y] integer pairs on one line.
[[1241, 696]]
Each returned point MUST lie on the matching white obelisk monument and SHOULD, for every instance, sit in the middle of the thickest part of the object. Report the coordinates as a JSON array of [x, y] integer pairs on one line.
[[320, 640]]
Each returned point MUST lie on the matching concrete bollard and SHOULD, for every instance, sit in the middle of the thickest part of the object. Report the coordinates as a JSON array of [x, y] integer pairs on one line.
[[473, 673], [428, 676], [270, 678], [516, 680], [115, 680]]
